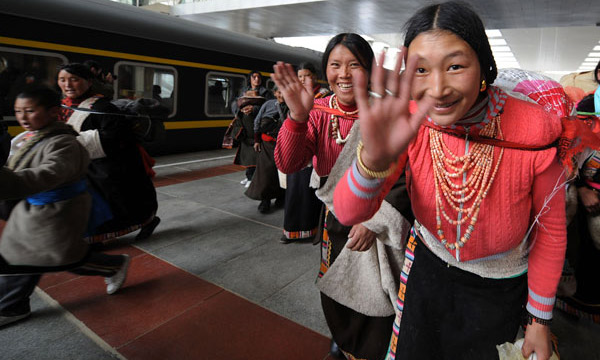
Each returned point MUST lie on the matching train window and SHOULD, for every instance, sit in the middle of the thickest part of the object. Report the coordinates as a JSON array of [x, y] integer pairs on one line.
[[139, 80], [19, 68], [221, 90]]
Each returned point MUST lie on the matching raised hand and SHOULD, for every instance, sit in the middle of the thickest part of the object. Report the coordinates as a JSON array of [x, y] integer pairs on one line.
[[299, 98], [386, 124]]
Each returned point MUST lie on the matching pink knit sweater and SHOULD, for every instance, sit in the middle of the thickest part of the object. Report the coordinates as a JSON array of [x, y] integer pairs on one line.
[[521, 189], [298, 143]]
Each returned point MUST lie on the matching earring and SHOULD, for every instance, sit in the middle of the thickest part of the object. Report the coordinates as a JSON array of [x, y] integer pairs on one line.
[[483, 86]]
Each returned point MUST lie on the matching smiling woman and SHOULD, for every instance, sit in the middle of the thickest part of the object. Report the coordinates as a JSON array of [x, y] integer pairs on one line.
[[465, 280], [117, 172], [322, 131]]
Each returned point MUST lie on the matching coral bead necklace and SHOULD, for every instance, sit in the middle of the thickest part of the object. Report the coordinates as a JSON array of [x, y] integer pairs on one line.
[[475, 171], [334, 128]]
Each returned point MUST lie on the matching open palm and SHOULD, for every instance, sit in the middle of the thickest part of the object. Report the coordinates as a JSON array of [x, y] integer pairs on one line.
[[386, 123], [299, 98]]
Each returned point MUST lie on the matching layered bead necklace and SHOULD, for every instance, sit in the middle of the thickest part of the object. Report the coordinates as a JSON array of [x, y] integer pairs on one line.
[[477, 171], [334, 125]]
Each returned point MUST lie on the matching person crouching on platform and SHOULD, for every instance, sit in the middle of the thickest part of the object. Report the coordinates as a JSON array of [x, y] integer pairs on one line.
[[267, 122]]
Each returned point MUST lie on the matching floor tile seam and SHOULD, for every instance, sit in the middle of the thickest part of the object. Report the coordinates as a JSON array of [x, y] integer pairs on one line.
[[187, 172], [245, 218], [97, 339], [151, 252], [172, 318], [286, 286], [193, 161], [62, 282]]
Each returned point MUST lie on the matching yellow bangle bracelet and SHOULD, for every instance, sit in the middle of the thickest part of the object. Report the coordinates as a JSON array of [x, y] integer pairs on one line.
[[374, 174]]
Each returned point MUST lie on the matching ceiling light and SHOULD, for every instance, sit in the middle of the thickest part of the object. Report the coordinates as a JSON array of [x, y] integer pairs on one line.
[[597, 48], [510, 64], [493, 33], [590, 59], [594, 54], [502, 48], [503, 42], [504, 55]]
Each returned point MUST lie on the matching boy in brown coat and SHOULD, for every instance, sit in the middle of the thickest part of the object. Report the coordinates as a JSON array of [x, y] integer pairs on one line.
[[44, 231]]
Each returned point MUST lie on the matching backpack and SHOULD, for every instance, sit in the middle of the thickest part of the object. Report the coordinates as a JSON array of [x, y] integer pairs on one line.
[[146, 116]]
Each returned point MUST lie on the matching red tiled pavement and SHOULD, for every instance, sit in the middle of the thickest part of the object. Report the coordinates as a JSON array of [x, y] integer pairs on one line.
[[166, 180], [229, 327], [163, 312]]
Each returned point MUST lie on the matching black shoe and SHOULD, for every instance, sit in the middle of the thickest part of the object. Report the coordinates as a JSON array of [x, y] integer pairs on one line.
[[280, 202], [335, 351], [264, 206], [284, 240], [148, 229]]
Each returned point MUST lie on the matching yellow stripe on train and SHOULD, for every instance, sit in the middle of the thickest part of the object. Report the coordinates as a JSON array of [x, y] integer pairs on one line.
[[118, 55]]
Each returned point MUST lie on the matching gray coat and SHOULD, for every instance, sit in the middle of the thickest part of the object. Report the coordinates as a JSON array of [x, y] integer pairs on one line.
[[51, 234]]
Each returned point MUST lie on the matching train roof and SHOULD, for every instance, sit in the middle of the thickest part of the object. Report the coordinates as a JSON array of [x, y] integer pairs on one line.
[[124, 19]]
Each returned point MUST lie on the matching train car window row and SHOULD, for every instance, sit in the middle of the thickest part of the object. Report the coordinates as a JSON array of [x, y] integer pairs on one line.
[[221, 89]]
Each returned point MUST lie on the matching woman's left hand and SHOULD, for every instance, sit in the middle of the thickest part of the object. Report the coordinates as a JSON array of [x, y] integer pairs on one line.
[[360, 238], [537, 340]]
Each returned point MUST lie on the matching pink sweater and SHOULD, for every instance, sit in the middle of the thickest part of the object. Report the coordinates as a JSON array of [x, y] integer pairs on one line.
[[523, 182], [297, 142]]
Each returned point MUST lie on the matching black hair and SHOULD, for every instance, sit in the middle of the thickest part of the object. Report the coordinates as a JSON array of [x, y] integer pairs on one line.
[[41, 95], [358, 46], [92, 64], [254, 72], [461, 20], [77, 69], [596, 73], [307, 66]]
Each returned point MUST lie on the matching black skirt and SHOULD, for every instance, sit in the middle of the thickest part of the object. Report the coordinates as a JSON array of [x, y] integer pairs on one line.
[[302, 207], [448, 313], [265, 182]]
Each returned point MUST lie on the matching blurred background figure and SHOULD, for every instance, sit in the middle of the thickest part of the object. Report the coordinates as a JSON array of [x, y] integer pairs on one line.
[[101, 83]]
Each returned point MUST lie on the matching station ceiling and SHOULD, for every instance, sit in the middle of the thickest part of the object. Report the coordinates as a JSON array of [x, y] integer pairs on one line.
[[549, 36]]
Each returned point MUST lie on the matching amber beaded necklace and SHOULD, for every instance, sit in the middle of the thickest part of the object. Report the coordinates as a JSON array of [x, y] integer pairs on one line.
[[334, 128], [476, 172]]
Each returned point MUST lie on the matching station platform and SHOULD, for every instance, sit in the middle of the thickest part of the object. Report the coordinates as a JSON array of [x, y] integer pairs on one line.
[[213, 282]]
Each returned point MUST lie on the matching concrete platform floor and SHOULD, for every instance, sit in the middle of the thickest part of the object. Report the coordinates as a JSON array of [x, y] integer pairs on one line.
[[213, 282]]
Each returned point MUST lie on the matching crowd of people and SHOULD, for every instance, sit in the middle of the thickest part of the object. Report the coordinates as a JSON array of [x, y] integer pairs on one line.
[[400, 176]]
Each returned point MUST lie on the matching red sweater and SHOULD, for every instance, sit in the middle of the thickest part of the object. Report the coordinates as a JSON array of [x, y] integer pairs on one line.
[[524, 181], [297, 142]]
